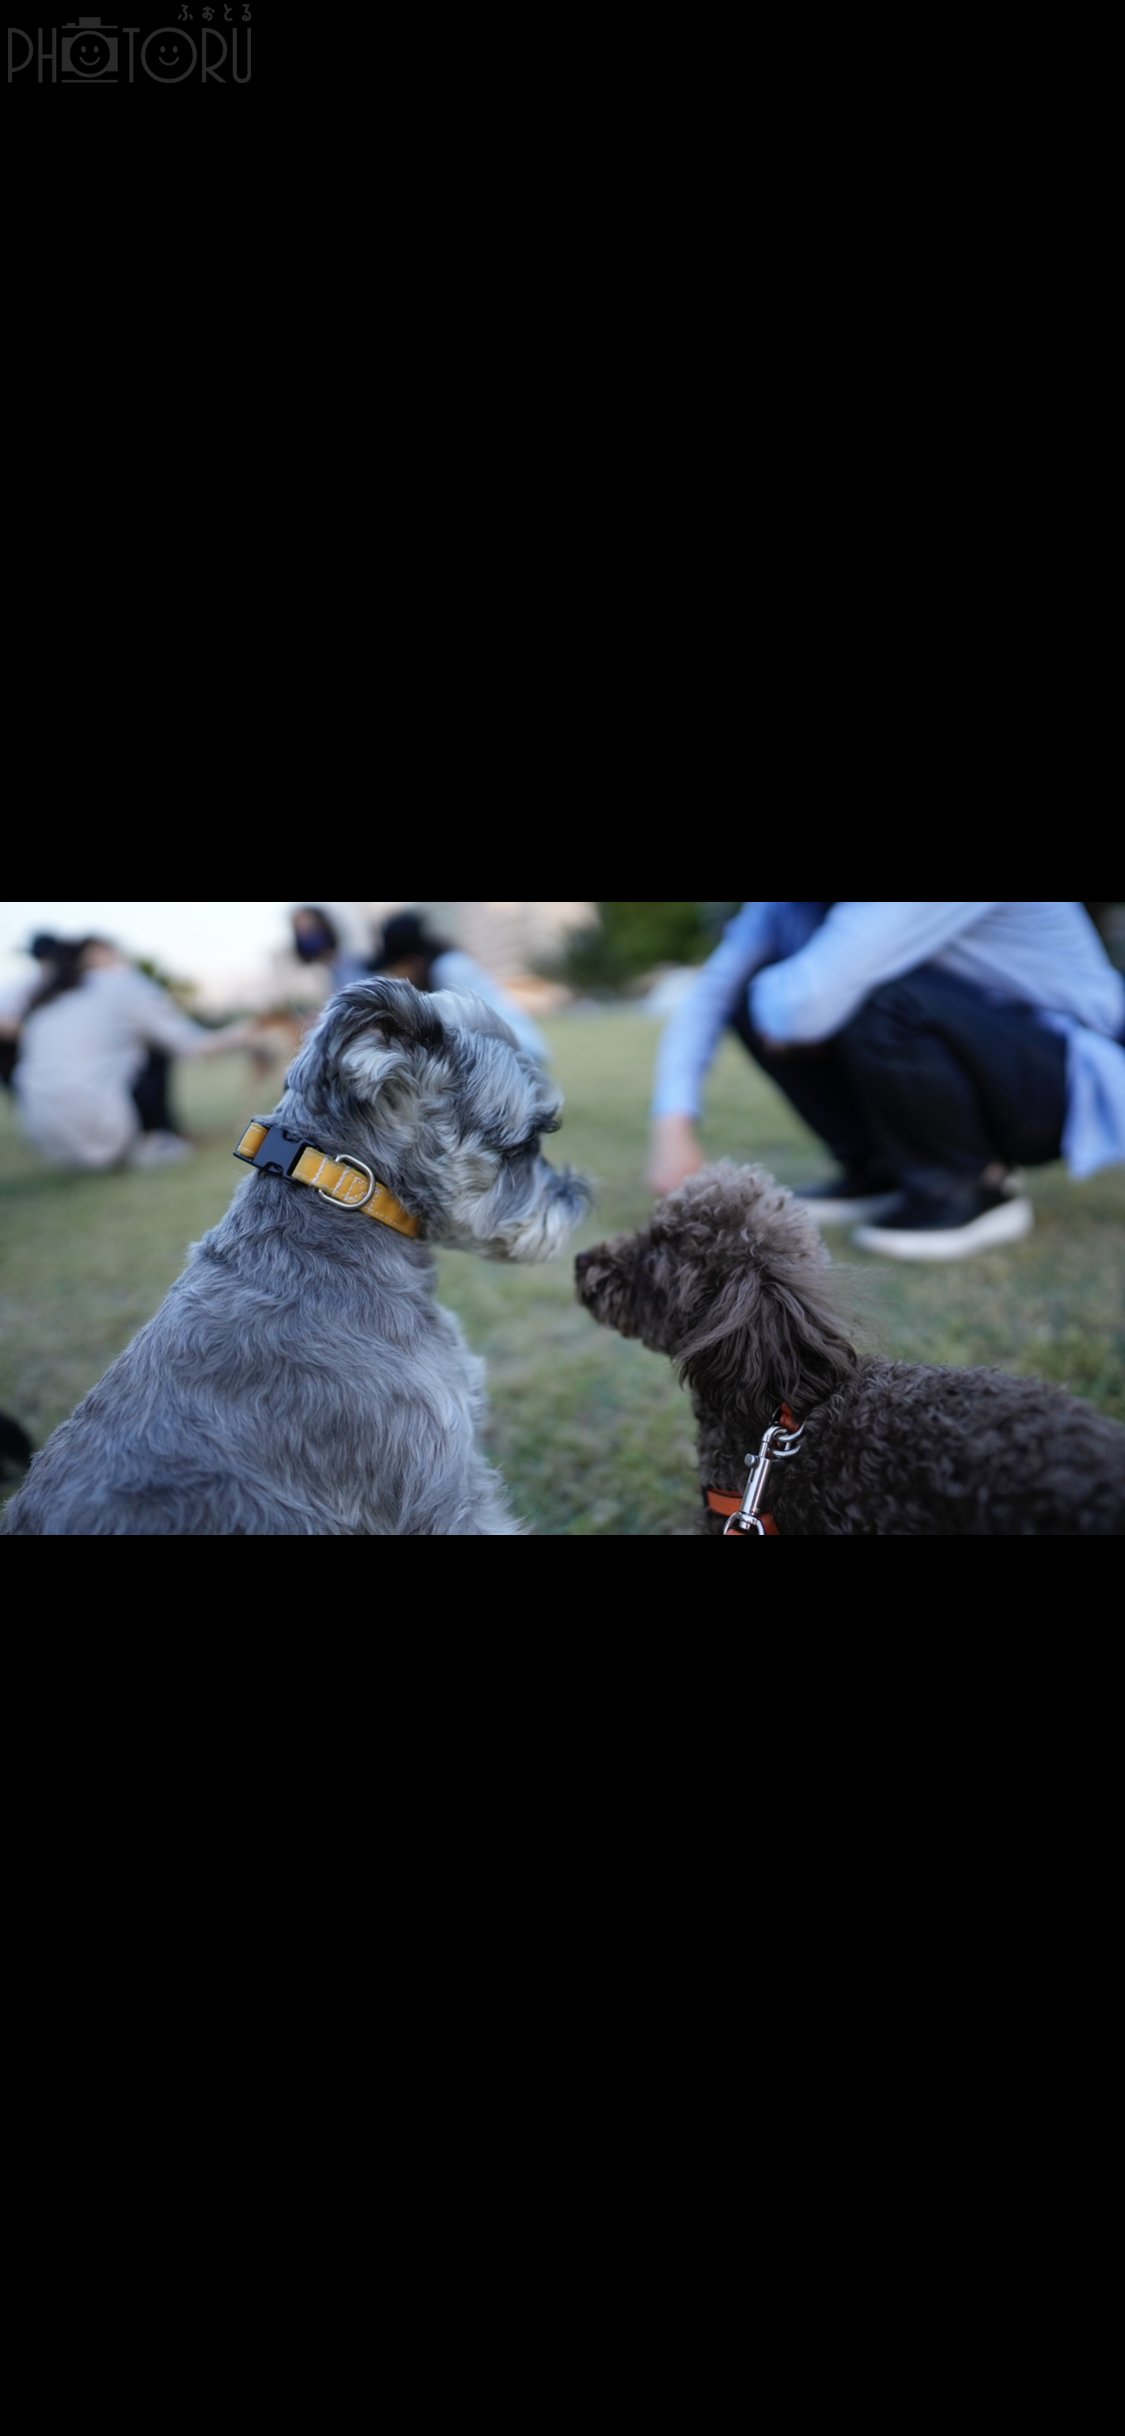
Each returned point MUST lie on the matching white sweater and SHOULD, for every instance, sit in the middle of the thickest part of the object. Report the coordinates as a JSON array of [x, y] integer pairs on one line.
[[80, 1054]]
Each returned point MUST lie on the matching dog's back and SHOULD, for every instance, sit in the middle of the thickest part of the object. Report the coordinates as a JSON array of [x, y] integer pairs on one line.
[[919, 1450], [232, 1413]]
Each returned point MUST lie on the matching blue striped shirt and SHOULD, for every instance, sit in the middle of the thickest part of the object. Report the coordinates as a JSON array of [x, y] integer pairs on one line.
[[806, 969]]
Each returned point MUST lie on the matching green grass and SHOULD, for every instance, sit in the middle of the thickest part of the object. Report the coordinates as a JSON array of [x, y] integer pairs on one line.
[[593, 1434]]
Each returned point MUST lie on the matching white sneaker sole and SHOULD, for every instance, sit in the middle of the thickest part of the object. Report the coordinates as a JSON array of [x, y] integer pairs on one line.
[[847, 1213], [1009, 1223], [159, 1150]]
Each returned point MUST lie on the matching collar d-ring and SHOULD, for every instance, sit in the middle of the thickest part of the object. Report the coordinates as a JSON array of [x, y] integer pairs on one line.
[[343, 1159]]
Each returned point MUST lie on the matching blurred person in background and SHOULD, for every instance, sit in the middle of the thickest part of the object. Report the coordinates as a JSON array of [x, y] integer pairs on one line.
[[409, 952], [85, 1041], [317, 941], [152, 1088], [17, 997], [936, 1048]]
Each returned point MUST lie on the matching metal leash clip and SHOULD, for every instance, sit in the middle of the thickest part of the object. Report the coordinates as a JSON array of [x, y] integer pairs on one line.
[[777, 1445]]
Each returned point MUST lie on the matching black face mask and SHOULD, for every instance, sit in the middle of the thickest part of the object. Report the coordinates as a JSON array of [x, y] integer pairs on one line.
[[312, 944]]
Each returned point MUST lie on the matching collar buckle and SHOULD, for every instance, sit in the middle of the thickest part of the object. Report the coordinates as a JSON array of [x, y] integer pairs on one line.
[[276, 1150]]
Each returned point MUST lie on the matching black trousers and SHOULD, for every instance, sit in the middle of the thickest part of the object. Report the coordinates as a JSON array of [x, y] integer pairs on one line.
[[929, 1083], [151, 1094]]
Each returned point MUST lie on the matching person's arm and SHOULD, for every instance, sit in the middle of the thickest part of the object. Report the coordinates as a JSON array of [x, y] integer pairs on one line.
[[161, 1024], [861, 944], [689, 1042]]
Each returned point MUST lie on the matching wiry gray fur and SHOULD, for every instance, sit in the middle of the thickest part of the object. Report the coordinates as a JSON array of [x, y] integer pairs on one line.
[[733, 1281], [301, 1376]]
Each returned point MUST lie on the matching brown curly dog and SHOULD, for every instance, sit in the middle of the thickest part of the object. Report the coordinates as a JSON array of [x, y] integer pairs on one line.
[[732, 1280]]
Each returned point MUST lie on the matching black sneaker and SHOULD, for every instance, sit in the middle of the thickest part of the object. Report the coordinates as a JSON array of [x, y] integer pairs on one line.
[[973, 1220], [849, 1200]]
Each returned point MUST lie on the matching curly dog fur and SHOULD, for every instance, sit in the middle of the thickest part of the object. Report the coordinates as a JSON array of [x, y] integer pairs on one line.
[[734, 1283]]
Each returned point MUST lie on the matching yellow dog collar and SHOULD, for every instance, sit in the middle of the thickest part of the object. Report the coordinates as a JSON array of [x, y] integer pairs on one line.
[[345, 1182]]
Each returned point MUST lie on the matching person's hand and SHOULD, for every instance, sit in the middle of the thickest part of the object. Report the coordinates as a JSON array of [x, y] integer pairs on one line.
[[675, 1153], [271, 1044]]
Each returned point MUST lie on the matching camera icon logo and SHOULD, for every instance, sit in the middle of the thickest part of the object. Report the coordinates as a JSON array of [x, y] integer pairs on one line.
[[89, 52]]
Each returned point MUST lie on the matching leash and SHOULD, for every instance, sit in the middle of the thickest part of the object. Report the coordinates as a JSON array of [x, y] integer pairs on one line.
[[338, 1179], [782, 1439]]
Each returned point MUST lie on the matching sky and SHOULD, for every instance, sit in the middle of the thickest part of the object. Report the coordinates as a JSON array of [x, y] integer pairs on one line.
[[210, 941]]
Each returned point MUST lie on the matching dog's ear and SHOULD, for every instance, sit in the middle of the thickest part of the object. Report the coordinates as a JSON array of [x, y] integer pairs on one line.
[[729, 1358], [395, 1009], [767, 1339], [369, 1031], [382, 1022]]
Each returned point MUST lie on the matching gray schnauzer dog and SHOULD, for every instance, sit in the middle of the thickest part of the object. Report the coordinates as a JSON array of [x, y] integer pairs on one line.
[[797, 1432], [301, 1376]]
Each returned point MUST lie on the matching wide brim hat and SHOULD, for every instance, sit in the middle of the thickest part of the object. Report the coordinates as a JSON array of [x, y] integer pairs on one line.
[[404, 935]]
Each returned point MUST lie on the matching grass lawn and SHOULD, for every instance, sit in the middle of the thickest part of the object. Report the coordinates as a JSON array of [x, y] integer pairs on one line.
[[593, 1435]]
